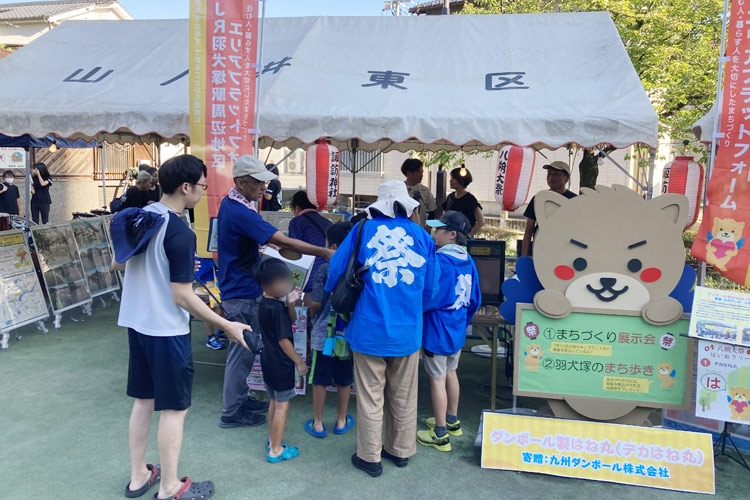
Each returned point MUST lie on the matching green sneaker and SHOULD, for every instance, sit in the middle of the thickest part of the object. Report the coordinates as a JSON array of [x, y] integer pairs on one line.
[[454, 429], [428, 438]]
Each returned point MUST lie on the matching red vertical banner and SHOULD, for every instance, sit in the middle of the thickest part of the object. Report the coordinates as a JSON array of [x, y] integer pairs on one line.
[[726, 218], [223, 56]]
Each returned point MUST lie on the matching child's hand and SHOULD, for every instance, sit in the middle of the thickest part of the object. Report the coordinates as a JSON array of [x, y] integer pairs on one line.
[[302, 369], [294, 296]]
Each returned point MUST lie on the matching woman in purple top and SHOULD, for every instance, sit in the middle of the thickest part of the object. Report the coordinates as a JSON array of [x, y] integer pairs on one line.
[[309, 226]]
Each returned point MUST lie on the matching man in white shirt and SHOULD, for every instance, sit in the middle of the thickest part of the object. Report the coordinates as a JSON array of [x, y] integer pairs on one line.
[[160, 375]]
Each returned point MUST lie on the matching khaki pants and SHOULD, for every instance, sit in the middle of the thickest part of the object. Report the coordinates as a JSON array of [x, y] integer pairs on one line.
[[386, 384]]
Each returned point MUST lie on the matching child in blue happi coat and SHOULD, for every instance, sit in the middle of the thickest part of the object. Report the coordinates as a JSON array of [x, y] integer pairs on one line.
[[446, 318]]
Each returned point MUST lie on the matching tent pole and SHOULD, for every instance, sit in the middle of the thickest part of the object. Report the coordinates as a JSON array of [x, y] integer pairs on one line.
[[259, 80], [650, 182], [27, 187], [104, 176], [353, 170], [624, 170]]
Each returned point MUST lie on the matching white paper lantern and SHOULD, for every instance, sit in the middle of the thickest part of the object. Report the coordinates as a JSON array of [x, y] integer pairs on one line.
[[322, 167], [515, 167]]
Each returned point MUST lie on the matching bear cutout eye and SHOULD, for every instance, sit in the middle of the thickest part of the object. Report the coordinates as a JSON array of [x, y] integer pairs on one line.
[[634, 265], [580, 264]]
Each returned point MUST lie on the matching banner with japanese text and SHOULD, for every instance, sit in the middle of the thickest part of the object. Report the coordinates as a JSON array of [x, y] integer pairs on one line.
[[642, 456], [726, 217], [606, 355], [723, 388], [223, 53], [721, 315]]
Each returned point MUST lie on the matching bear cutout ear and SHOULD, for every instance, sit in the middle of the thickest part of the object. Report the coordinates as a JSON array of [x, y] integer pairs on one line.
[[546, 203], [674, 206]]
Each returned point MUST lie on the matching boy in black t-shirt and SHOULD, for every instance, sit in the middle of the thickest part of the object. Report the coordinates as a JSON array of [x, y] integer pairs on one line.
[[278, 358], [9, 195]]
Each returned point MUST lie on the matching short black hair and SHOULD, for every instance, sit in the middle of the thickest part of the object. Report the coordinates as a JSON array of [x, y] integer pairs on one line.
[[152, 171], [411, 165], [8, 172], [183, 168], [301, 201], [271, 167], [336, 233], [465, 179], [270, 270]]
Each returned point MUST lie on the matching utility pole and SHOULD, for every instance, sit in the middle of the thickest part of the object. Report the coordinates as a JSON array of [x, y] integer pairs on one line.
[[446, 7]]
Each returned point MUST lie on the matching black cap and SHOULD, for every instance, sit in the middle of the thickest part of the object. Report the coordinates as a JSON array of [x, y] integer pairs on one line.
[[452, 221]]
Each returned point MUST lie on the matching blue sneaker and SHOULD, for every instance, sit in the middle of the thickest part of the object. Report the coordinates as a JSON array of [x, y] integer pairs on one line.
[[219, 334], [212, 342]]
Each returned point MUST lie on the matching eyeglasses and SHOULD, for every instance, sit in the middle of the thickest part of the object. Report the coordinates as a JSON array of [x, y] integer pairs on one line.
[[204, 186]]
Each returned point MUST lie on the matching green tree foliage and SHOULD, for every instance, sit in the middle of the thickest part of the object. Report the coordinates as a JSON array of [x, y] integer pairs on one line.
[[673, 44]]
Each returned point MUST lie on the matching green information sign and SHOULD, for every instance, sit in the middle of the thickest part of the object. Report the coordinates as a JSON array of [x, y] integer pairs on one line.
[[612, 355]]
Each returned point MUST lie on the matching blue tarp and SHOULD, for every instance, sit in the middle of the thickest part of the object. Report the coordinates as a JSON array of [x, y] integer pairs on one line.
[[28, 141]]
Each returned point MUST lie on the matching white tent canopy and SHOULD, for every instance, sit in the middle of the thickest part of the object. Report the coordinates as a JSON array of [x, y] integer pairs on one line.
[[428, 82], [704, 126]]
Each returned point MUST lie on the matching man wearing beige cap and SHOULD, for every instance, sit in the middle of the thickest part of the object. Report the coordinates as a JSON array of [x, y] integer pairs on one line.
[[241, 232], [558, 175]]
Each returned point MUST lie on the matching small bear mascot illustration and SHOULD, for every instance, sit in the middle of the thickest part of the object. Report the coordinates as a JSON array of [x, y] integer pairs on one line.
[[724, 242], [739, 403], [666, 374], [532, 356], [738, 394]]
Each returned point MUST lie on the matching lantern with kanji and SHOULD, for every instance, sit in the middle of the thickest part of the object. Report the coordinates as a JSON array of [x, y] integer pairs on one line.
[[515, 166], [322, 167], [685, 176]]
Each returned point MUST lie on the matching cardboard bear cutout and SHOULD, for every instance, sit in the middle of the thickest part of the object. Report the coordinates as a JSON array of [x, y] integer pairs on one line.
[[606, 249], [610, 249]]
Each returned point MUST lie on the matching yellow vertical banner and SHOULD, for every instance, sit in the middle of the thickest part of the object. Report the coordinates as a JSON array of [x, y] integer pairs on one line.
[[223, 56], [642, 456]]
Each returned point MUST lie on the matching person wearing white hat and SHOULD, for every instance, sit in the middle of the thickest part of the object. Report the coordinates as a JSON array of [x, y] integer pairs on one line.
[[385, 329], [241, 232], [558, 175]]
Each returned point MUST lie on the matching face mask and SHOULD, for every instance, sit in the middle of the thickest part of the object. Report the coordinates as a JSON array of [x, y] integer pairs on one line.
[[9, 180]]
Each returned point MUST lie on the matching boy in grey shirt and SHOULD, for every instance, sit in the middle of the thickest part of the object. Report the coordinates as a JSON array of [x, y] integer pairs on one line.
[[327, 370]]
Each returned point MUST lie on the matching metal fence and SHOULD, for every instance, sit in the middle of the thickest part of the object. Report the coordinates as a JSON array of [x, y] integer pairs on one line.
[[117, 158], [368, 163]]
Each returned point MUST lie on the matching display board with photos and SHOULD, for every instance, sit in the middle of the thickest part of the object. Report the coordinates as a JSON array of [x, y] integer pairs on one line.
[[61, 266], [96, 256], [21, 297]]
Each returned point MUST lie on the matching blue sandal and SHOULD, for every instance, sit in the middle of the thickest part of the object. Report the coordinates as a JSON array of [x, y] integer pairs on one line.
[[289, 453], [349, 424], [310, 429]]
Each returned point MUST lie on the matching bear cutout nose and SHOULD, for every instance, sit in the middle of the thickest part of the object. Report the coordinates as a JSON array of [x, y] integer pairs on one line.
[[608, 283]]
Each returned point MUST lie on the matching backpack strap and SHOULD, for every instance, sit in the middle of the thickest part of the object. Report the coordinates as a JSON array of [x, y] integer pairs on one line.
[[315, 223]]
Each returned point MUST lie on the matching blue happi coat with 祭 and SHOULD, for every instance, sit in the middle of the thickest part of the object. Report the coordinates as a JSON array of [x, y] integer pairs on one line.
[[401, 280], [451, 309]]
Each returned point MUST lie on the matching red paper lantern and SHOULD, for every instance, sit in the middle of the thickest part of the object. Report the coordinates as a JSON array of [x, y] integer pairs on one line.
[[515, 167], [322, 167], [685, 176]]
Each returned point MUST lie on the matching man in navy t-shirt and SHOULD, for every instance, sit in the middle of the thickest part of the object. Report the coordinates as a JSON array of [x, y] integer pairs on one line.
[[242, 231], [160, 367]]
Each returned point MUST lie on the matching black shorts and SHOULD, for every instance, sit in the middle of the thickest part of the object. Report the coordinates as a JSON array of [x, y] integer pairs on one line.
[[328, 370], [161, 368]]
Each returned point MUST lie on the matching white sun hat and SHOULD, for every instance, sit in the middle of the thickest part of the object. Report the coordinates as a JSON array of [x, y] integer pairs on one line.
[[391, 193]]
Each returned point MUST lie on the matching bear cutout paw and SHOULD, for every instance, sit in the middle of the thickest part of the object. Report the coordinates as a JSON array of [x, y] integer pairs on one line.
[[552, 303], [662, 311]]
